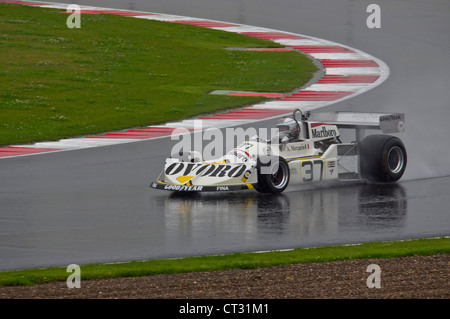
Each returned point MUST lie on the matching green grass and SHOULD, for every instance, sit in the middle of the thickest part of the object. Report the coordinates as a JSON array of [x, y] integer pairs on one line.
[[118, 72], [238, 260]]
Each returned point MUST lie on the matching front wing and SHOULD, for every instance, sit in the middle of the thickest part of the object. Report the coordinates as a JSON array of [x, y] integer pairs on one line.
[[182, 176], [199, 188]]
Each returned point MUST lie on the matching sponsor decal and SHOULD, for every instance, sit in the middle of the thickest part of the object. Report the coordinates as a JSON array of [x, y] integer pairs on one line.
[[331, 166], [223, 188], [217, 170], [183, 188], [391, 117], [184, 179], [246, 176], [297, 147], [246, 145], [240, 154], [316, 133]]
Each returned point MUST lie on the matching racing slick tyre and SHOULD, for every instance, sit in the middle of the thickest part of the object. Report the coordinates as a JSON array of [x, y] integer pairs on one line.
[[382, 158], [273, 174]]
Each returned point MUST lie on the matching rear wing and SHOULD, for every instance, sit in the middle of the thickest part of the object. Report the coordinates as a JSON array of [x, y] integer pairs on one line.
[[386, 122]]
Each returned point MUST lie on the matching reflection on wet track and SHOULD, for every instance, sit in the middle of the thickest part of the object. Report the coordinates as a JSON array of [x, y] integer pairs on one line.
[[300, 217], [296, 214], [382, 206]]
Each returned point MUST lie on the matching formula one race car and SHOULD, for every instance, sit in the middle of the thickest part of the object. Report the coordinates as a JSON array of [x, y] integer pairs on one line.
[[307, 150]]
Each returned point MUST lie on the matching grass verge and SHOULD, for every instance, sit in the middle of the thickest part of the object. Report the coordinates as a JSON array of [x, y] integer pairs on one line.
[[118, 72], [388, 249]]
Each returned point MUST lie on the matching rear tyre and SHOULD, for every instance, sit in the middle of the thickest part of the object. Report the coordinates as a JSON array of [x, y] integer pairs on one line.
[[273, 174], [383, 158]]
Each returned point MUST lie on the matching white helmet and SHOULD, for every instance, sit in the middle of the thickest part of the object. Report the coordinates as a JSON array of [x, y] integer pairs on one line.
[[288, 127]]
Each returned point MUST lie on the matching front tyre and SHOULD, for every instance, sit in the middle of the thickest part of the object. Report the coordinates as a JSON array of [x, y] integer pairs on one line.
[[383, 158], [273, 174]]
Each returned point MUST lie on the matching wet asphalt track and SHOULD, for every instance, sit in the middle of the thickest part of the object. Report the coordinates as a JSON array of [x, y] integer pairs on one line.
[[94, 205]]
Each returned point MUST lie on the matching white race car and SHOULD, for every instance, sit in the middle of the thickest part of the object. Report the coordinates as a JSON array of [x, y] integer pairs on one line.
[[315, 154]]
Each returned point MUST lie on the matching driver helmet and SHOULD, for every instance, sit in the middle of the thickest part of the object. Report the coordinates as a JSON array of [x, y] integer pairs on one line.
[[288, 127]]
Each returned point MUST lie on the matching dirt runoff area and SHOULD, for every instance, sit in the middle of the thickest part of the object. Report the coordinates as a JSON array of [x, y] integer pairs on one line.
[[421, 277]]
